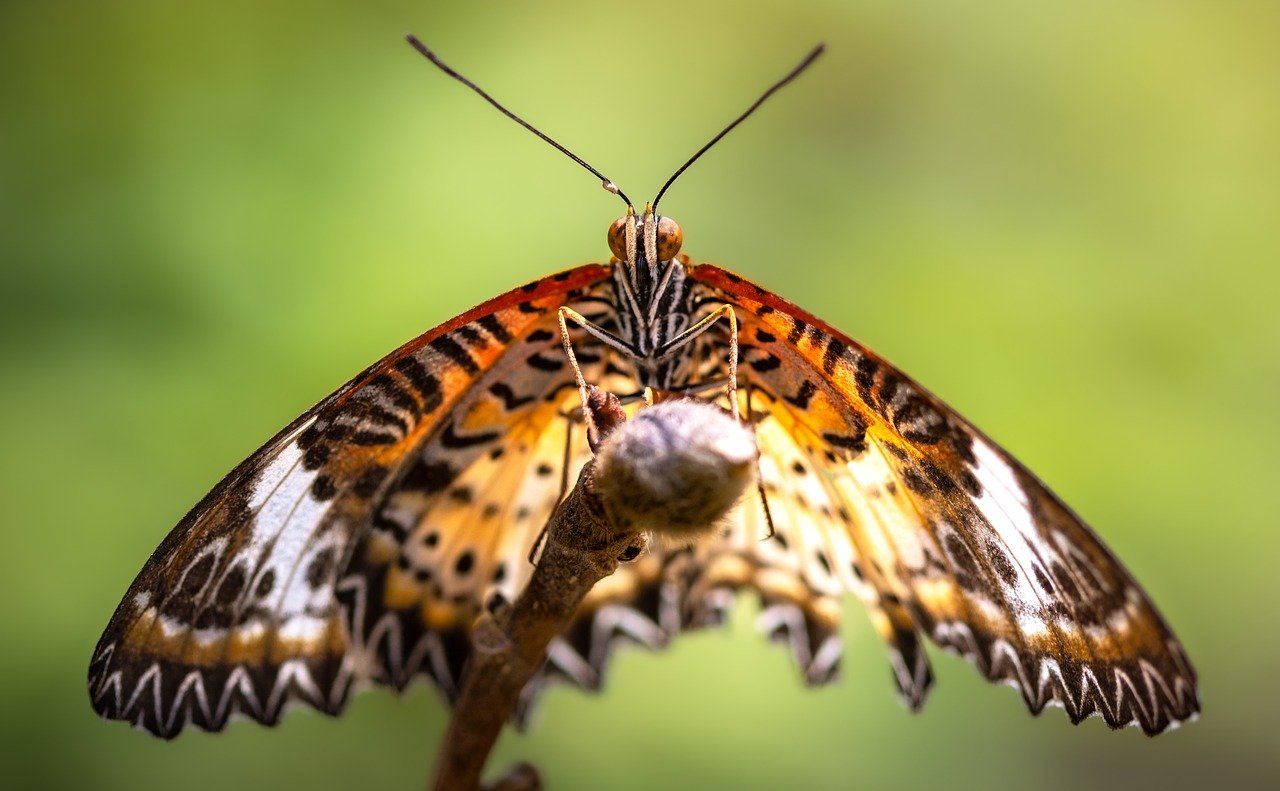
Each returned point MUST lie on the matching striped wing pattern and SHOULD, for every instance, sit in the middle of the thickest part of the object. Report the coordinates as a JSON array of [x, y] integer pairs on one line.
[[270, 589], [941, 532], [875, 486], [361, 542]]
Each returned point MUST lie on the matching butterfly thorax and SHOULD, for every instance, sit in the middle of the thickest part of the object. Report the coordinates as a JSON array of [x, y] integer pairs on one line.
[[652, 297]]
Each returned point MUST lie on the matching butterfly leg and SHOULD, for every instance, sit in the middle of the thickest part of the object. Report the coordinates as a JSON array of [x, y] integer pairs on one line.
[[686, 337], [764, 497], [567, 315]]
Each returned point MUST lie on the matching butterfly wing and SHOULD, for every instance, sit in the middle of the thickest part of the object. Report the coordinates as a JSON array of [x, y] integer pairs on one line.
[[894, 495], [361, 541], [241, 608]]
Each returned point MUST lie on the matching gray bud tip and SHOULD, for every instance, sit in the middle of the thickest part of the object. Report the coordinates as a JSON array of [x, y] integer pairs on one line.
[[676, 468]]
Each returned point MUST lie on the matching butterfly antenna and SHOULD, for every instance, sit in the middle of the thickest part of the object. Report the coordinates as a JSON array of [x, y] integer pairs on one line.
[[791, 75], [431, 56]]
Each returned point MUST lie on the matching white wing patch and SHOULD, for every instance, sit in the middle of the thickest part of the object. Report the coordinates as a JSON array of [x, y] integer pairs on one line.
[[281, 468]]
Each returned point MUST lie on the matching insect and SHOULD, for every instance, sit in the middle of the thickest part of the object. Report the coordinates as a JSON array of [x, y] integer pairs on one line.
[[360, 542]]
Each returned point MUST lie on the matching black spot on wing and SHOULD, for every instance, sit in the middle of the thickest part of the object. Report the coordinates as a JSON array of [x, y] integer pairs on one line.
[[319, 568], [450, 438], [197, 576], [369, 481], [965, 568], [471, 336], [315, 456], [1001, 563], [1045, 584], [492, 325], [455, 353], [918, 421], [834, 353], [428, 477], [370, 437], [464, 563], [803, 395], [233, 584], [767, 363], [398, 394], [422, 380], [544, 363], [540, 335], [823, 561], [509, 398], [387, 418], [323, 488], [864, 376], [856, 442]]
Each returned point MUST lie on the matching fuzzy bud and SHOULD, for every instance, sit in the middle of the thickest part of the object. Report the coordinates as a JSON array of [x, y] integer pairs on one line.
[[676, 468]]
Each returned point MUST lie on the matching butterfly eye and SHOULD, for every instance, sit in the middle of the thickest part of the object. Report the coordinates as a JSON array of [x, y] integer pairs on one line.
[[618, 238], [670, 238], [629, 554]]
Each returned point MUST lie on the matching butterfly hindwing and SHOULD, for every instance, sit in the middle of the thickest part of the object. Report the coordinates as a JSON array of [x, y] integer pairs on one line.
[[457, 528], [955, 538], [238, 611]]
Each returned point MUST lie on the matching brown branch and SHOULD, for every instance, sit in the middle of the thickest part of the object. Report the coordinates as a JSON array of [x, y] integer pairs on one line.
[[677, 468], [508, 646]]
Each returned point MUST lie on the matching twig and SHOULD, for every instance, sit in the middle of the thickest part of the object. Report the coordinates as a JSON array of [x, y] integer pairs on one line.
[[508, 646], [687, 456]]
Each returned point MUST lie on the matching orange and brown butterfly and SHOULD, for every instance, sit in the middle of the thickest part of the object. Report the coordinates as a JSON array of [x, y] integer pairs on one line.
[[360, 542]]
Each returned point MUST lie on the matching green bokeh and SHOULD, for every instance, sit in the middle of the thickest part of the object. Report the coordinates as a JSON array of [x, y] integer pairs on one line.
[[1061, 216]]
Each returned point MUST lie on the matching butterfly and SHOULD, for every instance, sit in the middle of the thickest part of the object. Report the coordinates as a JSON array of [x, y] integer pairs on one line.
[[360, 542]]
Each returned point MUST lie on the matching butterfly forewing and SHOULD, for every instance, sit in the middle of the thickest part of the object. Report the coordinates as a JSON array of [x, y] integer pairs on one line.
[[238, 610], [955, 538], [458, 526]]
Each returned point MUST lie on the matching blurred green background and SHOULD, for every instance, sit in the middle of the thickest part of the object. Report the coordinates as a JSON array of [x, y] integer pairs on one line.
[[1062, 217]]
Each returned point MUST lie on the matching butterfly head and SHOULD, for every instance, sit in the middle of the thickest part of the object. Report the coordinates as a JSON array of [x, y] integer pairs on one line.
[[651, 237], [651, 294]]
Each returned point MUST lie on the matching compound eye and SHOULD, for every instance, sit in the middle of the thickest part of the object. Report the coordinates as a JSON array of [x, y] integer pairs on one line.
[[617, 237], [670, 238]]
